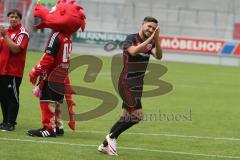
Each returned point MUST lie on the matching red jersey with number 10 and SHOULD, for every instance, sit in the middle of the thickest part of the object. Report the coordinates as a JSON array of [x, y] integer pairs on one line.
[[59, 46]]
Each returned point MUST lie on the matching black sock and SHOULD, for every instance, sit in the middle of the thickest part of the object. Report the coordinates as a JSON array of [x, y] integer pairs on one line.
[[122, 127], [116, 125], [125, 123]]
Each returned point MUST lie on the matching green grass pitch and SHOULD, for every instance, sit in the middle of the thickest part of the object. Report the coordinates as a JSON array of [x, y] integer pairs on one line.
[[206, 95]]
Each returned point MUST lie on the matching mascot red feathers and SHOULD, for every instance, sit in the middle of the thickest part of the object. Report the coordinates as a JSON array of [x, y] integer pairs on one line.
[[65, 17]]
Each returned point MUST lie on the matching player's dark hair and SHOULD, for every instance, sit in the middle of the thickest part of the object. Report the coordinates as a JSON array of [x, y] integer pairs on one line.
[[150, 19], [15, 11]]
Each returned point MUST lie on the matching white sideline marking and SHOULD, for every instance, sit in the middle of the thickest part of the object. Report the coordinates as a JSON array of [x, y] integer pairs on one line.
[[166, 135], [124, 148]]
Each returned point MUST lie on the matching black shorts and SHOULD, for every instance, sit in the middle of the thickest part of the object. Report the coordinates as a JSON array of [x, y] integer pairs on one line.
[[52, 92], [131, 96]]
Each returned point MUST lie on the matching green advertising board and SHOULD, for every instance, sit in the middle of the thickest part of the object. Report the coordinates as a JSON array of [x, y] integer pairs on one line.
[[98, 38]]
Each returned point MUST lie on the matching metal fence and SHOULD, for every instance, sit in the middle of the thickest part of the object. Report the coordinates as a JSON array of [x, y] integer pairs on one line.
[[6, 5]]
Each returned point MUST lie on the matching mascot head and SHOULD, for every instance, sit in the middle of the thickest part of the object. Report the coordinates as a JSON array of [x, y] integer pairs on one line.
[[65, 17]]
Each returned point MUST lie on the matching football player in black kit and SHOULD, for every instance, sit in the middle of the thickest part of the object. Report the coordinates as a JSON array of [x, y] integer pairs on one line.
[[137, 49]]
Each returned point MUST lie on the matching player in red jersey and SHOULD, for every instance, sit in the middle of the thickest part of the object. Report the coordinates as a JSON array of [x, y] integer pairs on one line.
[[13, 47], [64, 19]]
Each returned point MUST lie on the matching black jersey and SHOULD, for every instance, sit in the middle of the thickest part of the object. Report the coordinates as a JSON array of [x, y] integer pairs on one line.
[[134, 67], [130, 84]]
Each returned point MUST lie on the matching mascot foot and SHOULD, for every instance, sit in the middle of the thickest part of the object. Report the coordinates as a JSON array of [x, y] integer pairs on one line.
[[72, 125], [59, 131], [41, 133]]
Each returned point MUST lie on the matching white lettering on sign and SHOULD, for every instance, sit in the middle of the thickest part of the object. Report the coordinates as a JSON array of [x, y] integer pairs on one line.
[[193, 45]]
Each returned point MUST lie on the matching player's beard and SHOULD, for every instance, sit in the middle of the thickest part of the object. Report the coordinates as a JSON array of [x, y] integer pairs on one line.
[[145, 35]]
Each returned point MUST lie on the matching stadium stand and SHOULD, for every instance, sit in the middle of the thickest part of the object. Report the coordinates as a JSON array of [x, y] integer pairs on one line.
[[2, 10], [6, 5], [215, 18], [200, 19]]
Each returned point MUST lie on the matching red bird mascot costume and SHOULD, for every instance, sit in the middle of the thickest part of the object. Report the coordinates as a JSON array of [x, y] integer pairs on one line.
[[52, 72]]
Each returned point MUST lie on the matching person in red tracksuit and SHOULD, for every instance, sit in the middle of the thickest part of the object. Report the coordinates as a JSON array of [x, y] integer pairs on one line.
[[13, 48]]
